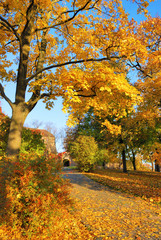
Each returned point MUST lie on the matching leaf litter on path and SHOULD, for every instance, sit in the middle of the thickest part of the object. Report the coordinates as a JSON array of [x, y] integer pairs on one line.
[[109, 214]]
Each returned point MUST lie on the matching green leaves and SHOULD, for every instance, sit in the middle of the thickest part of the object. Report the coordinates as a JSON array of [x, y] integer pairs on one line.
[[83, 150]]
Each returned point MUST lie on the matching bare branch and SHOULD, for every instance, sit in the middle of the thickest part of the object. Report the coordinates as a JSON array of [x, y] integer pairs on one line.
[[83, 95], [67, 34], [93, 94]]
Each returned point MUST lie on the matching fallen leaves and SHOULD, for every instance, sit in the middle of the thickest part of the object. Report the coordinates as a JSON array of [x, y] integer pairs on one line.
[[146, 185], [109, 214]]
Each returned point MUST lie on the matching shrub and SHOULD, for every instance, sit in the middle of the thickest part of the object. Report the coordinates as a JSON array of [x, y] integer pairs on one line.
[[31, 139], [83, 150], [4, 130], [102, 156], [32, 191]]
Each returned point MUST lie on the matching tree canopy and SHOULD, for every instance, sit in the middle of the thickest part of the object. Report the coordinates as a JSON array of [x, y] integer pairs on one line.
[[74, 49]]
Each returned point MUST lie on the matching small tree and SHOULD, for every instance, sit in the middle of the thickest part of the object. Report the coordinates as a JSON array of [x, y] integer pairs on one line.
[[83, 150], [103, 156]]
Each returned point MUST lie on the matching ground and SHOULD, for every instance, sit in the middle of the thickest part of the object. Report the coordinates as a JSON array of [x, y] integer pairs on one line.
[[109, 214]]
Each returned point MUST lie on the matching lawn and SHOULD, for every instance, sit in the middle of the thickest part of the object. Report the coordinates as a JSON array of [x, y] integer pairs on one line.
[[146, 185]]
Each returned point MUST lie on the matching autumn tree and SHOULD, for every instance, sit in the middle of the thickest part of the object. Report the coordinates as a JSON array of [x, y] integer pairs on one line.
[[38, 36], [149, 70], [90, 125], [141, 130], [149, 84], [84, 150]]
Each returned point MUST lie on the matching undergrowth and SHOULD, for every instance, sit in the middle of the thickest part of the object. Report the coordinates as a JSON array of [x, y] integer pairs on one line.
[[34, 200]]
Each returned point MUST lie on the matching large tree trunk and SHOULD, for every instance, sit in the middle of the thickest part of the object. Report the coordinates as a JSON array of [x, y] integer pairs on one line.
[[19, 114], [124, 161]]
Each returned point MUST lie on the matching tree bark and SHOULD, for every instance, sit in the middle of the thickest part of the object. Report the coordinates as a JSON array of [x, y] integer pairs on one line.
[[157, 167], [133, 160], [124, 161], [123, 153], [19, 114], [152, 166]]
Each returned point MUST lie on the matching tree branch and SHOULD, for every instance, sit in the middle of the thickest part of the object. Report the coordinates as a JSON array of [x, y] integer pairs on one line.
[[2, 93], [9, 27], [30, 19], [34, 99], [93, 94], [139, 68], [71, 18], [10, 42], [65, 64], [90, 95]]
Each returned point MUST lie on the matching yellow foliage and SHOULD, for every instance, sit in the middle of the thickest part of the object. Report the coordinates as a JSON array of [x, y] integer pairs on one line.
[[100, 86]]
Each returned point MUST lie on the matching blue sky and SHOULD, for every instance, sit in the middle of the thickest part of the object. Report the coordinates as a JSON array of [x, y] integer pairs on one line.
[[55, 116]]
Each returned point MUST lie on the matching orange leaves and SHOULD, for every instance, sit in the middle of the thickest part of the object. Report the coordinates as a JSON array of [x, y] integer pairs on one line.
[[36, 198], [148, 33], [149, 84]]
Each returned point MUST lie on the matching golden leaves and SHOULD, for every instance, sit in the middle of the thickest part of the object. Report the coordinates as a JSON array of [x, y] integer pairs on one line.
[[103, 31], [108, 214], [100, 86], [145, 185]]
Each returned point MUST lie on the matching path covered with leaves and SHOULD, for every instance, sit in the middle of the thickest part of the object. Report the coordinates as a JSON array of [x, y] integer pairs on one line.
[[108, 214]]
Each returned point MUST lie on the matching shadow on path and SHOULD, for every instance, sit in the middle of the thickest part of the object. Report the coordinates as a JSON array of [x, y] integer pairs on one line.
[[78, 178]]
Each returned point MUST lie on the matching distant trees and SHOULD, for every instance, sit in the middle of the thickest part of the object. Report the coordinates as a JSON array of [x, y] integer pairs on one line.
[[136, 137]]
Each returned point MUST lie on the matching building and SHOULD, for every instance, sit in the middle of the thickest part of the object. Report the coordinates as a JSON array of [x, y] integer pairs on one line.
[[66, 159], [49, 139]]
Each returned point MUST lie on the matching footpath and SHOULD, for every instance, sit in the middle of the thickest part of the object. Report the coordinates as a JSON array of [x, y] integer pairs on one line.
[[109, 214]]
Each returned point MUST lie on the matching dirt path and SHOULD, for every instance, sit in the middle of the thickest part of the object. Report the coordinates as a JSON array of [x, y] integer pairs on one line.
[[109, 214]]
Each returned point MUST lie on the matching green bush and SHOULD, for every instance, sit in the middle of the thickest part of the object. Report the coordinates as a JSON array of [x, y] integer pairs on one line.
[[83, 150], [31, 139], [102, 156]]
